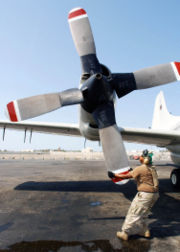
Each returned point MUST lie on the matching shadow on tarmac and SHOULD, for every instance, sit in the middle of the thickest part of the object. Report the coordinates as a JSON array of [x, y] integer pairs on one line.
[[165, 212], [80, 186], [5, 226], [129, 189], [167, 215], [78, 246], [106, 186]]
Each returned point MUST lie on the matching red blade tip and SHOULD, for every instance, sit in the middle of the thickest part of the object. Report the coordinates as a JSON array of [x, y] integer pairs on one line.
[[76, 12], [177, 64], [12, 112]]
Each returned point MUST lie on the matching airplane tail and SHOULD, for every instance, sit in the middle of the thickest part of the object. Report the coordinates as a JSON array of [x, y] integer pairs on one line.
[[162, 119]]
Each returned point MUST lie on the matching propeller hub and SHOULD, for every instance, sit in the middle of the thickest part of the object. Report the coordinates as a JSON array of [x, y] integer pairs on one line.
[[99, 76], [96, 91]]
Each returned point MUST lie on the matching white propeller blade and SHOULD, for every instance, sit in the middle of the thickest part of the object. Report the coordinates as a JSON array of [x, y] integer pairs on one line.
[[114, 152], [84, 41], [81, 32], [30, 107], [157, 75]]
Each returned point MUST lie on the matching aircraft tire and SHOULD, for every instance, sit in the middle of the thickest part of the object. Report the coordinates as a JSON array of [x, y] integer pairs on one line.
[[175, 178]]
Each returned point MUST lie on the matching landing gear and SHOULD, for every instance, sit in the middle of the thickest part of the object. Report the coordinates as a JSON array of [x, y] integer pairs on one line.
[[175, 178]]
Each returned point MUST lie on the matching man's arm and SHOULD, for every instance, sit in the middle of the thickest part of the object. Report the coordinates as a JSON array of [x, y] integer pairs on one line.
[[123, 176]]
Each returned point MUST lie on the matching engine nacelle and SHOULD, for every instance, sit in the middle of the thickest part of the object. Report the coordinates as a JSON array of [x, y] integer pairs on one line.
[[88, 126], [175, 153], [175, 158]]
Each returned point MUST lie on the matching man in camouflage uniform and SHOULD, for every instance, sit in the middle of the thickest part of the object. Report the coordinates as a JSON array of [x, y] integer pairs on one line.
[[147, 186]]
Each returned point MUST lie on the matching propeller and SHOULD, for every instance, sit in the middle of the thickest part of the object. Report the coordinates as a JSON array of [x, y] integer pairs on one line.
[[96, 94], [30, 107], [83, 40], [124, 83]]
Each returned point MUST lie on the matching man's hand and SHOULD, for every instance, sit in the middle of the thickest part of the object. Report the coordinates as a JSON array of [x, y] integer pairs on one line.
[[119, 175], [111, 174]]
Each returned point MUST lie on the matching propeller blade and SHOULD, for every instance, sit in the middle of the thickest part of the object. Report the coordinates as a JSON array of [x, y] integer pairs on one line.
[[30, 107], [113, 148], [157, 75], [114, 152], [124, 83], [83, 40]]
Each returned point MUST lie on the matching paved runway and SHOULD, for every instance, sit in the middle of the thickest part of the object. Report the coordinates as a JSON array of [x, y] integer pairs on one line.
[[60, 206]]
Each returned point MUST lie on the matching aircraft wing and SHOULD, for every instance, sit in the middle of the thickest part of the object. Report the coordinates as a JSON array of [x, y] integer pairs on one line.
[[160, 138], [52, 128]]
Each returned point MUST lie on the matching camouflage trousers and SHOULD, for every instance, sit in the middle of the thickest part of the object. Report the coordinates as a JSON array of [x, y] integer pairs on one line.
[[136, 219]]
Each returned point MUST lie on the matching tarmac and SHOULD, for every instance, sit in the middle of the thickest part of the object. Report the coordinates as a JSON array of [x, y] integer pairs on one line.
[[71, 205]]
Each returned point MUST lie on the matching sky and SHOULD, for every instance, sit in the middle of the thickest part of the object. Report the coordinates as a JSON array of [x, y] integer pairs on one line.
[[37, 56]]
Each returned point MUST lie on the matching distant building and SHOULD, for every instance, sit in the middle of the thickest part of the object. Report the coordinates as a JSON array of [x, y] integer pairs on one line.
[[87, 150]]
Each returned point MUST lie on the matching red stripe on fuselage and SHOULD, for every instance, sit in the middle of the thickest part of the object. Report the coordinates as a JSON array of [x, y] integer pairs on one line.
[[12, 112], [115, 180], [76, 13], [177, 64]]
